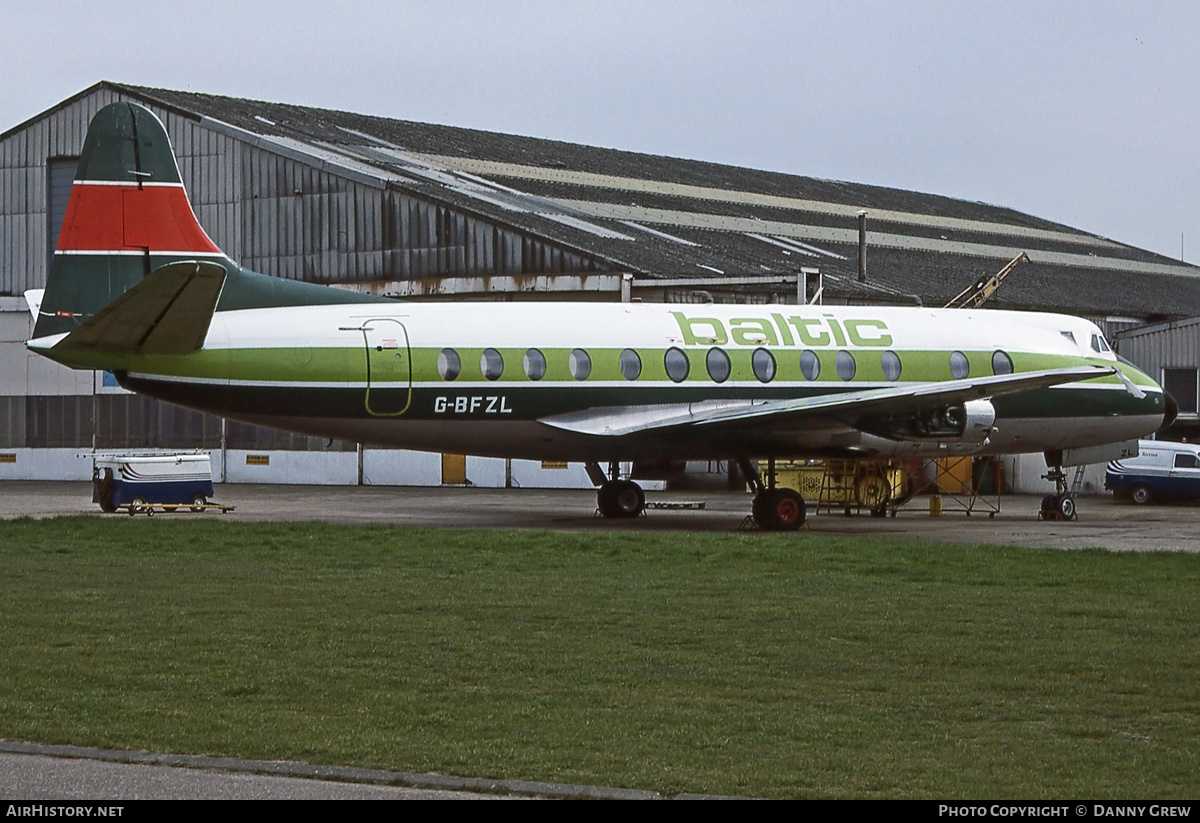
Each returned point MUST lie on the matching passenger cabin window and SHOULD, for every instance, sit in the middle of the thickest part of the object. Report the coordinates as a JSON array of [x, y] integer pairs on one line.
[[580, 364], [491, 364], [891, 365], [677, 364], [535, 364], [810, 365], [1001, 363], [764, 365], [717, 362], [631, 365], [960, 367], [845, 365], [449, 365]]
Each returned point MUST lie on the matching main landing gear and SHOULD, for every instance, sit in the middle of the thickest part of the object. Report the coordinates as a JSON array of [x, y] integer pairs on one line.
[[616, 497], [773, 509]]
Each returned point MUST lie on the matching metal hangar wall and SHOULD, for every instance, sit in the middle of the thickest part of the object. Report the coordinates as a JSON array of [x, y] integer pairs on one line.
[[421, 211]]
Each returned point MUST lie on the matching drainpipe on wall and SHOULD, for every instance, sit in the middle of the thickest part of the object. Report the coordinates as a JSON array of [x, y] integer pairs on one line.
[[862, 246]]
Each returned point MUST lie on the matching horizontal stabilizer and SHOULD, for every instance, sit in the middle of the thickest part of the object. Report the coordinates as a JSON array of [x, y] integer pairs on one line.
[[847, 407], [166, 313], [33, 299]]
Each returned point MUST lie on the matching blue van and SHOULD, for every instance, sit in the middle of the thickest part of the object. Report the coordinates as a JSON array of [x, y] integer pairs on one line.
[[1161, 470]]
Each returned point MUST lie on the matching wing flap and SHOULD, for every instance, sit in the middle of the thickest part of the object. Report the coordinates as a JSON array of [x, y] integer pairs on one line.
[[847, 407], [168, 312]]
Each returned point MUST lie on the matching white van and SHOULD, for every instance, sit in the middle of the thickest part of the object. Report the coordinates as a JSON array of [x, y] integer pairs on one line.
[[1161, 470], [118, 479]]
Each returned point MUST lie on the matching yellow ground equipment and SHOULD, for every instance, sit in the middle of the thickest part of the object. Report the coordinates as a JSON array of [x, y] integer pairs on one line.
[[848, 485]]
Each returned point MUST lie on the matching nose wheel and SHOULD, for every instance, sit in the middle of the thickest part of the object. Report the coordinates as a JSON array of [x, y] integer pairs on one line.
[[1061, 504]]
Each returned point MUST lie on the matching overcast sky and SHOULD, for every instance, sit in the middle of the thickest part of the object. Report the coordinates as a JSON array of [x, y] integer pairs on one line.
[[1086, 113]]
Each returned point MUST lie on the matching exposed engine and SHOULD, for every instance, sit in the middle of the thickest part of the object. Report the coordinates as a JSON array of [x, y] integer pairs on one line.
[[972, 422]]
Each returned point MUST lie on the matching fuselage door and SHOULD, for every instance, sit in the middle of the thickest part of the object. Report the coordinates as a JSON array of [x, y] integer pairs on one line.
[[389, 367]]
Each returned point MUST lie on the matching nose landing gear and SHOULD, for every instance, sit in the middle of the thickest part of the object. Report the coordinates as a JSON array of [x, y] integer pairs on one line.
[[1061, 504]]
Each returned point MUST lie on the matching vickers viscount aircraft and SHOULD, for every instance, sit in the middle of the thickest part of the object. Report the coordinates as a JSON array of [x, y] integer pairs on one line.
[[137, 288]]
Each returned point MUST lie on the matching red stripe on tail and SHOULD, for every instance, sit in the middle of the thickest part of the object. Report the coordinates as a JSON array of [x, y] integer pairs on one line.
[[128, 218]]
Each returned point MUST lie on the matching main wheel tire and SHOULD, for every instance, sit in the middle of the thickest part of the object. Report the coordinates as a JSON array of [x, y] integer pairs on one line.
[[199, 501], [620, 498], [788, 509], [630, 499], [605, 500], [779, 510], [759, 510], [1141, 494]]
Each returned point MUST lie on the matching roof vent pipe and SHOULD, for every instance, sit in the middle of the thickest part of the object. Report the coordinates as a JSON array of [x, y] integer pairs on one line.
[[862, 246]]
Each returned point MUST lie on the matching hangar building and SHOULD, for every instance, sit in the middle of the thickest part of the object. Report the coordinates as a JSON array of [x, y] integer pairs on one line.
[[421, 211]]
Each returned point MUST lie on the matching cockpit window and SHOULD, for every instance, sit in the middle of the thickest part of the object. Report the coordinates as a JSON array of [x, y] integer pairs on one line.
[[1069, 335], [1099, 343]]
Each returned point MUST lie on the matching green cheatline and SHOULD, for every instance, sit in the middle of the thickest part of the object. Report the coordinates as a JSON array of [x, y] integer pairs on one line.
[[348, 364], [763, 665]]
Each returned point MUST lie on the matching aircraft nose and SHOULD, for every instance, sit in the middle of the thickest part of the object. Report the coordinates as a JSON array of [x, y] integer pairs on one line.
[[1171, 412]]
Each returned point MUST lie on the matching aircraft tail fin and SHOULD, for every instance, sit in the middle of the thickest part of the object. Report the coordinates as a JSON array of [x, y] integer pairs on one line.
[[127, 215]]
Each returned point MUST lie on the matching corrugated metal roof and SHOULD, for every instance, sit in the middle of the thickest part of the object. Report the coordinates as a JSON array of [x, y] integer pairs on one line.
[[630, 184]]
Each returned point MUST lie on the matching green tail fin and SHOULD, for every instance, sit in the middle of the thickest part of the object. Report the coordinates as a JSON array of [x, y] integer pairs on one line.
[[128, 215]]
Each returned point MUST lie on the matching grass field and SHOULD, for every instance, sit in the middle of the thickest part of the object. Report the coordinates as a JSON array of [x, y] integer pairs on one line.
[[768, 665]]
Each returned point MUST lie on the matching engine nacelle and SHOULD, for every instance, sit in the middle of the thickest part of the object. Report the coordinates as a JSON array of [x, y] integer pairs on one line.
[[972, 422], [980, 420]]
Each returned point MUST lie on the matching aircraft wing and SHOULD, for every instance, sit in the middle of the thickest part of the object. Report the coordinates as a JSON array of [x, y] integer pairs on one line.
[[846, 407], [167, 313]]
